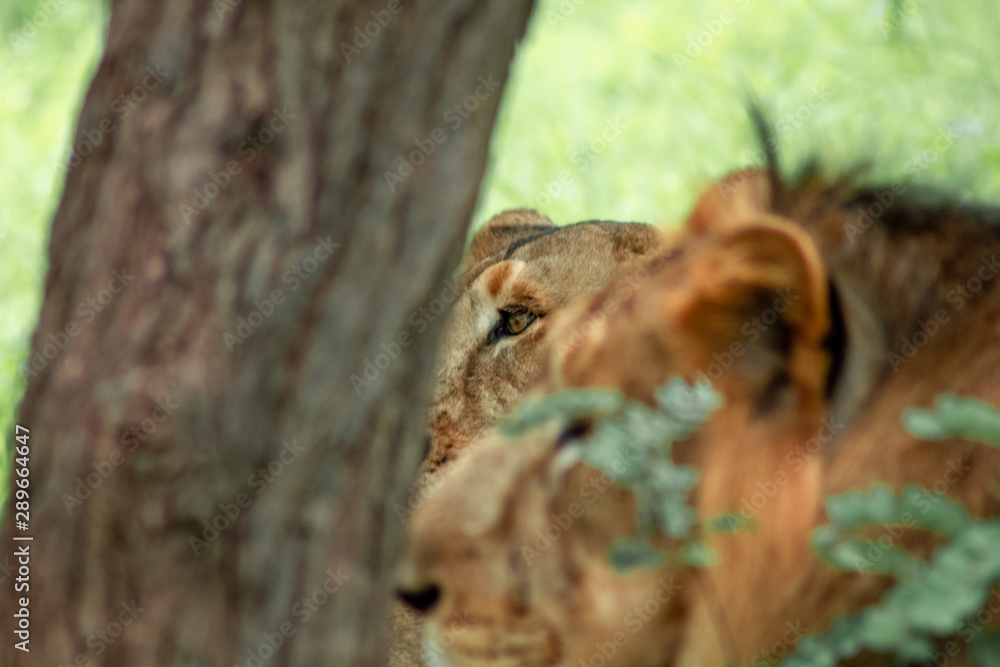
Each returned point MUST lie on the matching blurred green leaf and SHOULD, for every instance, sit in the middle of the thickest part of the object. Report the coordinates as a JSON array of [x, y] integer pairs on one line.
[[629, 554], [567, 405], [958, 417]]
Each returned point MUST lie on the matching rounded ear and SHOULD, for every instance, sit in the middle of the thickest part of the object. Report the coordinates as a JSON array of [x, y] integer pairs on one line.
[[735, 201], [504, 229], [761, 298]]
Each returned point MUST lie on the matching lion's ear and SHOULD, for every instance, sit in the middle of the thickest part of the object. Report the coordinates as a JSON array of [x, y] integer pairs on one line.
[[760, 305], [504, 229], [736, 201]]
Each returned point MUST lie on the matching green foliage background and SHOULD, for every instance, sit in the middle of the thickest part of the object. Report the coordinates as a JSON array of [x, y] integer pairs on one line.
[[890, 91], [585, 64]]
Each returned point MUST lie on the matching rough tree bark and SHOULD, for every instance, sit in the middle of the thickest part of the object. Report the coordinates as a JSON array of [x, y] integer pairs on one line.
[[261, 195]]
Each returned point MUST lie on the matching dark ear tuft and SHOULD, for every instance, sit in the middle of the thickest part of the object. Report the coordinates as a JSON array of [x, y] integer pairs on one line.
[[503, 229], [764, 129]]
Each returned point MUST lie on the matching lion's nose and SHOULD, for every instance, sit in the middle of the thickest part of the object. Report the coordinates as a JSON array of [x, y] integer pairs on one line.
[[422, 600]]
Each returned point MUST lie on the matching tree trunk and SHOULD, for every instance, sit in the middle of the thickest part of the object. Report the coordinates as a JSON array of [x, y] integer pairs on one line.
[[227, 385]]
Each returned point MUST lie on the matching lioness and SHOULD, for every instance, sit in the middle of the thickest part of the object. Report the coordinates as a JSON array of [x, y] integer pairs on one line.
[[820, 311], [520, 271]]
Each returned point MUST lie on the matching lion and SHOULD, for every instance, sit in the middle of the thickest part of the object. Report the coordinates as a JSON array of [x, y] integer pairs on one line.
[[519, 272], [820, 311]]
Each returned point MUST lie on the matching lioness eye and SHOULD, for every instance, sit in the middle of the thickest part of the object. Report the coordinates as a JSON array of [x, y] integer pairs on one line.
[[518, 322], [512, 323]]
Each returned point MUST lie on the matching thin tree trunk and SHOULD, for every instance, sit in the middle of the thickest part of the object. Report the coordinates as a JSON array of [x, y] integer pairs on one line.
[[261, 195]]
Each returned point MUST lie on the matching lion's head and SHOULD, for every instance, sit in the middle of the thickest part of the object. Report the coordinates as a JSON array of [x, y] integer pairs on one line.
[[806, 314], [519, 272]]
